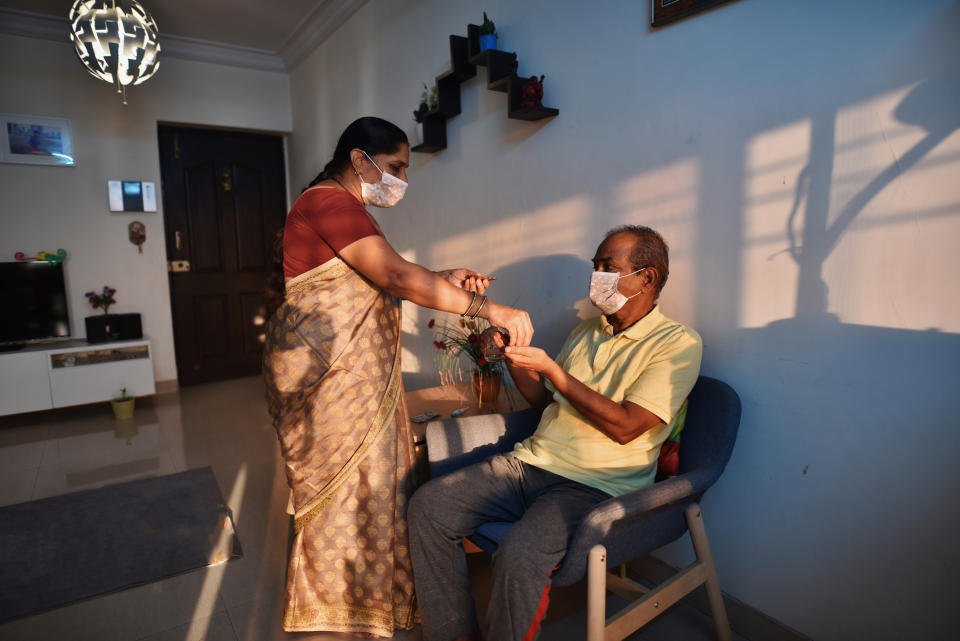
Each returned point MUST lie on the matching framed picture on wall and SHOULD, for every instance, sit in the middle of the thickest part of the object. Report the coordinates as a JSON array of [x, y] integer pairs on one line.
[[664, 11], [36, 140]]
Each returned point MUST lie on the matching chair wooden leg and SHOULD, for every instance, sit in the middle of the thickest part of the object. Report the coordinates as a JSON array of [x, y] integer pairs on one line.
[[596, 593], [701, 547]]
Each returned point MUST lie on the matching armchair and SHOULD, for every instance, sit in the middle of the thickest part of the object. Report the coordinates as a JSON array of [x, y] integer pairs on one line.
[[622, 528]]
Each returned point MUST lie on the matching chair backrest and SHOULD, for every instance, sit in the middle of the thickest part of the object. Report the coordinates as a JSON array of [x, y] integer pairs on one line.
[[713, 418]]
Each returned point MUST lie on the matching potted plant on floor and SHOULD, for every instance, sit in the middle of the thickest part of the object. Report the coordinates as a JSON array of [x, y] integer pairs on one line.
[[123, 406], [488, 34]]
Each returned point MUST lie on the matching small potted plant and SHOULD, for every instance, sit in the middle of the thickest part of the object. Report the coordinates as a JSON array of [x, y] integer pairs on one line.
[[488, 34], [103, 327], [453, 341], [123, 406], [421, 112]]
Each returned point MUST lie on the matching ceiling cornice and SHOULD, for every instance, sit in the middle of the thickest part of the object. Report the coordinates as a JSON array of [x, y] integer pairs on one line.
[[312, 31], [315, 28]]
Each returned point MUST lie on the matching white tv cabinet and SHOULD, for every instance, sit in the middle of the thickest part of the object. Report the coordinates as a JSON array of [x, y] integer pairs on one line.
[[48, 375]]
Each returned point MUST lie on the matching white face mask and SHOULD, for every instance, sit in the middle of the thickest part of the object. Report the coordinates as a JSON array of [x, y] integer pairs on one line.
[[604, 293], [386, 192]]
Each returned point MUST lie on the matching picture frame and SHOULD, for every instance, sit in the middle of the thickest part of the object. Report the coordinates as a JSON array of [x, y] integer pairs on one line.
[[665, 11], [36, 140]]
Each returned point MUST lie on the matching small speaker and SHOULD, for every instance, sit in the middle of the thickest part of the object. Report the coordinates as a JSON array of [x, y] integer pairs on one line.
[[130, 327], [113, 327]]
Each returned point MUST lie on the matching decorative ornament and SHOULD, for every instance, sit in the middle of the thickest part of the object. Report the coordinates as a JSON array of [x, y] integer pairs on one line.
[[532, 93], [138, 234], [54, 258], [116, 40]]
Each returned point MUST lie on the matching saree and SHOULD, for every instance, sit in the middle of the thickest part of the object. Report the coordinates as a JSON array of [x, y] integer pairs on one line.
[[332, 372]]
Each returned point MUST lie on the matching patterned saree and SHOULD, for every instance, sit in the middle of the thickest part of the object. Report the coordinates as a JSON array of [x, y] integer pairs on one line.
[[332, 371]]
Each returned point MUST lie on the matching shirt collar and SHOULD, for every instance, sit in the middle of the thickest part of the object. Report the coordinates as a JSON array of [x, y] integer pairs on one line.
[[640, 329]]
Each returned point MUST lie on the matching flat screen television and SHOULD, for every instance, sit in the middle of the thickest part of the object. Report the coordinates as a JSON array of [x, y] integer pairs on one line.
[[34, 303]]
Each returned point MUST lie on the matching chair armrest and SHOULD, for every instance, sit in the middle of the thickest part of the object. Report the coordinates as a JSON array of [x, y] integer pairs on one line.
[[634, 524], [457, 442]]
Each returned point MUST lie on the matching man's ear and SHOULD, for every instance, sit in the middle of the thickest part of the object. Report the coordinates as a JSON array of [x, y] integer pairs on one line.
[[649, 278]]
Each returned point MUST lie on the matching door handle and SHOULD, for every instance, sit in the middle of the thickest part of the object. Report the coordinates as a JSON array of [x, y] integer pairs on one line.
[[178, 266], [177, 240]]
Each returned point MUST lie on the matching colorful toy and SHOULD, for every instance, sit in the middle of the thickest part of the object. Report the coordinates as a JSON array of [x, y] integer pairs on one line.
[[54, 258]]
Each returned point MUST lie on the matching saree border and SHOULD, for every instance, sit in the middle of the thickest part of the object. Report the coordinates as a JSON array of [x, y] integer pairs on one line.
[[387, 407], [349, 618], [333, 268]]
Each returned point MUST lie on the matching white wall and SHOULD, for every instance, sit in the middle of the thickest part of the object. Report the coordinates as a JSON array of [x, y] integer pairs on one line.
[[45, 208], [801, 159]]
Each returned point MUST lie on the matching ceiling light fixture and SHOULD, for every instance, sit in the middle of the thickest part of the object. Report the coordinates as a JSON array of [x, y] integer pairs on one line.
[[116, 40]]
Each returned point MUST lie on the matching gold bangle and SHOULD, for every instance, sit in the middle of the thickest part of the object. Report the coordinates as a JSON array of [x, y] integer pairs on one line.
[[472, 301], [482, 303]]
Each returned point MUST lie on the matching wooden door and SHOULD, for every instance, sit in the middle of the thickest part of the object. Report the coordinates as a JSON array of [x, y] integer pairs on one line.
[[224, 198]]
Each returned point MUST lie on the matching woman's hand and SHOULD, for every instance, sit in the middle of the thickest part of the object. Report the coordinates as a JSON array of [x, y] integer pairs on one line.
[[515, 321], [531, 358], [466, 279]]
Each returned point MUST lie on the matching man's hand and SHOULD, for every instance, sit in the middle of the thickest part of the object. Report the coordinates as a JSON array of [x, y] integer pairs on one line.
[[531, 358], [466, 279]]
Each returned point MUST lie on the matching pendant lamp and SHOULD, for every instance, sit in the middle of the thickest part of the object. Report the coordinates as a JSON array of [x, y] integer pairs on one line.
[[116, 40]]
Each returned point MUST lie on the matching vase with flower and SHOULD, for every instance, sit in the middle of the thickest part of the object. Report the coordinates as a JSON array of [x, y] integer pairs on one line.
[[462, 339], [106, 326]]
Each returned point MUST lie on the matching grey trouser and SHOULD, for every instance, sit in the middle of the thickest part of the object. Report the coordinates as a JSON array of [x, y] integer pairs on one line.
[[545, 510]]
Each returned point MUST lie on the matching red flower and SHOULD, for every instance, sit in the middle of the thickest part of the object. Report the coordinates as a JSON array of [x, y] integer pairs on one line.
[[462, 324], [431, 323], [438, 344], [473, 338], [481, 361]]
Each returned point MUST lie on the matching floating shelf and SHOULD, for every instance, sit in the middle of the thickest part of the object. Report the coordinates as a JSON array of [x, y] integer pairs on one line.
[[465, 57]]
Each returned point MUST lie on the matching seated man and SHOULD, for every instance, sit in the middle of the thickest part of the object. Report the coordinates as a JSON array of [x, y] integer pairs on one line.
[[607, 405]]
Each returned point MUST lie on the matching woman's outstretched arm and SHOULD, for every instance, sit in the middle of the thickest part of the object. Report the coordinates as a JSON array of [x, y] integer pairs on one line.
[[373, 257]]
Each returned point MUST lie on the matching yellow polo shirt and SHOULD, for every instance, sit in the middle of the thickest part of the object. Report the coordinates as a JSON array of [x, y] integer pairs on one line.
[[653, 363]]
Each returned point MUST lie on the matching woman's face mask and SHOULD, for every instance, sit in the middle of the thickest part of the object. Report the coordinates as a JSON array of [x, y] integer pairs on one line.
[[604, 293], [386, 192]]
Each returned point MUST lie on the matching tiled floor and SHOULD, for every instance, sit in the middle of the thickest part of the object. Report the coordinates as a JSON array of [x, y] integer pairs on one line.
[[223, 425]]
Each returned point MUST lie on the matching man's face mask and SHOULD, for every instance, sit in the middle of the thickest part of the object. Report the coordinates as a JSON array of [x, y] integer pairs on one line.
[[604, 293], [386, 192]]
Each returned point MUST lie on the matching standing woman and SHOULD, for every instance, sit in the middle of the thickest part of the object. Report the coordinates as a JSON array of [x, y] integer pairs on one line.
[[332, 371]]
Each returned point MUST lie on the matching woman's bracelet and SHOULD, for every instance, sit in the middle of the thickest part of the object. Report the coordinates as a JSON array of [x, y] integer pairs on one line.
[[472, 301], [482, 303]]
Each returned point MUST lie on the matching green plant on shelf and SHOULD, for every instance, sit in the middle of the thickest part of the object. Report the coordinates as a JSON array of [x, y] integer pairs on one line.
[[424, 106], [487, 28], [434, 99]]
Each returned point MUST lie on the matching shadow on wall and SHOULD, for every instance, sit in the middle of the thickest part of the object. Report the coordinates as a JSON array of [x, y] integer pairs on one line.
[[862, 425], [819, 238]]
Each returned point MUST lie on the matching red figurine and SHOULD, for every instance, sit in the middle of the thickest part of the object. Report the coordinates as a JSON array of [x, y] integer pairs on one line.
[[532, 93]]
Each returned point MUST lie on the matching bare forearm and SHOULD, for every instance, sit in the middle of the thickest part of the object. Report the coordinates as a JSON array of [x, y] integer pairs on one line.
[[421, 286], [613, 419], [531, 387]]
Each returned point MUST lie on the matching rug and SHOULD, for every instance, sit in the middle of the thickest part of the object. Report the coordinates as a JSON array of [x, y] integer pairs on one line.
[[67, 548]]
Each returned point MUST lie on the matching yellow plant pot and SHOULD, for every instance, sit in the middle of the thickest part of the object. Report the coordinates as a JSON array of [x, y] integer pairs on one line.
[[122, 409]]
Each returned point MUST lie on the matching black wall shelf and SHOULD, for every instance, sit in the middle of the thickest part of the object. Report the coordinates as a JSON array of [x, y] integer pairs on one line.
[[465, 57]]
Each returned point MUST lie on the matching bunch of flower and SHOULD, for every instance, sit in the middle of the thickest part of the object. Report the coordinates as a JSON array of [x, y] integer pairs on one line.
[[456, 340], [104, 299]]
